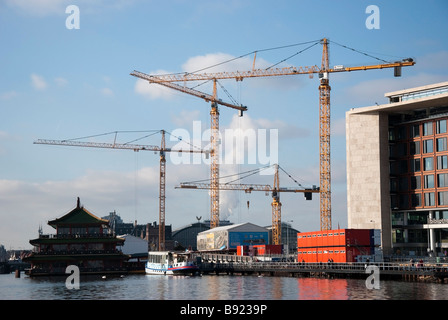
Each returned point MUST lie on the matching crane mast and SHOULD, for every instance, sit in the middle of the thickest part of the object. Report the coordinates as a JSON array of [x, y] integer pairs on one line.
[[324, 105], [214, 167], [162, 183], [276, 210], [324, 142]]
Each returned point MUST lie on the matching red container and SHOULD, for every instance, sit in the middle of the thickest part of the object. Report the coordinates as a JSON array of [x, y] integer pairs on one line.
[[267, 249], [242, 250], [341, 245]]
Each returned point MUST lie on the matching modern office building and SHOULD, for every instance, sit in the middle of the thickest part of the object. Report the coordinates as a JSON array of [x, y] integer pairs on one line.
[[397, 170]]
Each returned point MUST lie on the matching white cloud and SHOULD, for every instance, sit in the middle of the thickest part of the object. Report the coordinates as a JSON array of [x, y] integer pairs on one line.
[[219, 62], [42, 8], [61, 82], [153, 91], [39, 7], [185, 118], [38, 82], [8, 95], [25, 205], [107, 92], [372, 91], [214, 63], [430, 68]]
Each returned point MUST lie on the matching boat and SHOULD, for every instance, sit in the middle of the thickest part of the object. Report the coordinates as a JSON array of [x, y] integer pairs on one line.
[[170, 263]]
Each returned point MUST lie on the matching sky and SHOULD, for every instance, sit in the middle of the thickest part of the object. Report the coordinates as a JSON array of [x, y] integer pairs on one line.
[[65, 74]]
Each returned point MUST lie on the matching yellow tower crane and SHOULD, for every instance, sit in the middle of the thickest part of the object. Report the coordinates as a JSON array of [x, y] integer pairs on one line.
[[324, 105], [214, 138], [135, 147], [248, 188]]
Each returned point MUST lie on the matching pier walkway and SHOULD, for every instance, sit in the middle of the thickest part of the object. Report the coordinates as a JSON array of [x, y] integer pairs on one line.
[[386, 270]]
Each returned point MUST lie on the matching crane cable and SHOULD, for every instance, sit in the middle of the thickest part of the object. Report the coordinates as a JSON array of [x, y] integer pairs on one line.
[[313, 43], [360, 52], [290, 176], [295, 54], [249, 173]]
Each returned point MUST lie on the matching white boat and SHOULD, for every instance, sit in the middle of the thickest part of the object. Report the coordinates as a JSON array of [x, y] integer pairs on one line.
[[170, 263]]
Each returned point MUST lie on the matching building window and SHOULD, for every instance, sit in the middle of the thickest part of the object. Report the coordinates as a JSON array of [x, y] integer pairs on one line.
[[441, 126], [415, 131], [428, 146], [442, 180], [429, 199], [441, 144], [442, 198], [94, 230], [393, 185], [416, 182], [442, 162], [399, 167], [428, 164], [415, 218], [401, 133], [416, 200], [404, 201], [414, 147], [415, 165], [79, 230], [427, 128], [403, 184], [399, 150], [429, 181]]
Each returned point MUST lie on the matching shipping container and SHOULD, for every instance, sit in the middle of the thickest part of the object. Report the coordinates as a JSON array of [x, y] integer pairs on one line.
[[341, 245], [268, 249], [242, 250]]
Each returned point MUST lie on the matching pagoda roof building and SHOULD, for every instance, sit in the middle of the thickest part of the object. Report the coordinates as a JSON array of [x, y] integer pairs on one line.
[[82, 239], [78, 216]]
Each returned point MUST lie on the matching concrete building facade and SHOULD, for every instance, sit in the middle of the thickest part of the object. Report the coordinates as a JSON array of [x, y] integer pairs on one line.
[[397, 165]]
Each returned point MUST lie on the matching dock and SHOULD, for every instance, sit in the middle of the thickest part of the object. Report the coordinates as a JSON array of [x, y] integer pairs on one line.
[[233, 265]]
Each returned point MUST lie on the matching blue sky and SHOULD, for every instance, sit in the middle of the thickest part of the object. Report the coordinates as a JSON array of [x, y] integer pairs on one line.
[[60, 83]]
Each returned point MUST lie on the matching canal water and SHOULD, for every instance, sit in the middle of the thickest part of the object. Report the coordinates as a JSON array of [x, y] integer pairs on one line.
[[212, 287]]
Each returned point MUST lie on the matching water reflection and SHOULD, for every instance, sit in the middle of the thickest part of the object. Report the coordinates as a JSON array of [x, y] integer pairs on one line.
[[159, 287], [322, 289]]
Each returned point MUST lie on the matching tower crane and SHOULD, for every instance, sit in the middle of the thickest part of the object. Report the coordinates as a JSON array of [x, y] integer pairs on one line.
[[135, 147], [324, 105], [214, 138], [275, 190]]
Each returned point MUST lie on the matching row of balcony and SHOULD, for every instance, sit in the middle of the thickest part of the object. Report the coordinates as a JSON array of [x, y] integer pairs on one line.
[[77, 252], [77, 236]]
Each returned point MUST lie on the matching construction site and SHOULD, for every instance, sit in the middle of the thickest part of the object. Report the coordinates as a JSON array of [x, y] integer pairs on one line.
[[214, 238]]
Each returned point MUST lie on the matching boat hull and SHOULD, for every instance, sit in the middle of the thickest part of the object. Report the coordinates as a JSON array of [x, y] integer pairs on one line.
[[183, 269]]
